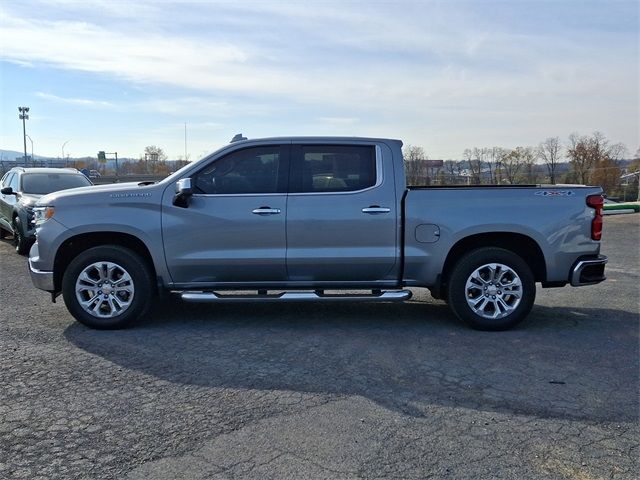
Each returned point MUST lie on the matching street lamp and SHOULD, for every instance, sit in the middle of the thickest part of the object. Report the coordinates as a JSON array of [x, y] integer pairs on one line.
[[24, 115], [33, 161], [63, 148]]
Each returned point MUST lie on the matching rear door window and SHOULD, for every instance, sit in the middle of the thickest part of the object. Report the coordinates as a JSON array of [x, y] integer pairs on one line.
[[333, 168]]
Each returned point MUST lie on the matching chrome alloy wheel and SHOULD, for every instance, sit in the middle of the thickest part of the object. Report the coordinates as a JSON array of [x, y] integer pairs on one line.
[[493, 290], [104, 289]]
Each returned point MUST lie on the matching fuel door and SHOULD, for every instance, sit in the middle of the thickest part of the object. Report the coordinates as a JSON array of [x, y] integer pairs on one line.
[[427, 233]]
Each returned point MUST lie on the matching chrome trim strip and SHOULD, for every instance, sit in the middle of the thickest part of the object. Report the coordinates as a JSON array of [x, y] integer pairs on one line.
[[217, 195], [41, 279], [265, 211], [379, 181], [577, 270], [376, 210]]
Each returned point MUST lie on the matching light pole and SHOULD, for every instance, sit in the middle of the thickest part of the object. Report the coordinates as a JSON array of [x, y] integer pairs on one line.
[[33, 161], [63, 149], [24, 115]]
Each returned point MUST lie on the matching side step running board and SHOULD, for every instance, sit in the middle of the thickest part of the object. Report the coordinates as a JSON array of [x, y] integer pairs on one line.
[[311, 296]]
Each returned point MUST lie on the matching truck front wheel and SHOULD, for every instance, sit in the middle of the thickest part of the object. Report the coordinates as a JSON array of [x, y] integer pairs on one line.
[[491, 289], [107, 287]]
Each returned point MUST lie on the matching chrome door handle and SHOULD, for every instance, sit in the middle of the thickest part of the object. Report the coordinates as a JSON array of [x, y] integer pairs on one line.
[[374, 209], [266, 211]]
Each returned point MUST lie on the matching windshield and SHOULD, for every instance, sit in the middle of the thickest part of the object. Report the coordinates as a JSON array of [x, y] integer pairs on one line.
[[43, 183]]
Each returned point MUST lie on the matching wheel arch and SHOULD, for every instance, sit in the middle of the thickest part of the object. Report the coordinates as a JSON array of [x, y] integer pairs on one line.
[[522, 245], [77, 244]]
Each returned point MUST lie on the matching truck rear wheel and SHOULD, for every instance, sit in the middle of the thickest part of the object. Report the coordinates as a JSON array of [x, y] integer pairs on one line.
[[491, 289], [107, 287]]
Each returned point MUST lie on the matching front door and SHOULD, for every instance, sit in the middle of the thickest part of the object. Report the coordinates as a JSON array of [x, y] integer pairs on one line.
[[234, 227]]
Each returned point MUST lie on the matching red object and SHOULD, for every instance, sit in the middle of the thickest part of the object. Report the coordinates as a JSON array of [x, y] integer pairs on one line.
[[596, 201]]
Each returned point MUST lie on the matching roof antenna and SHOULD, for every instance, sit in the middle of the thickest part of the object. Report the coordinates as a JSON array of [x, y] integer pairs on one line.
[[238, 138]]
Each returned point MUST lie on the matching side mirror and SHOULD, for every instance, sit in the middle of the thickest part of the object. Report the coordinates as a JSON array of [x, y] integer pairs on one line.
[[8, 191], [183, 193]]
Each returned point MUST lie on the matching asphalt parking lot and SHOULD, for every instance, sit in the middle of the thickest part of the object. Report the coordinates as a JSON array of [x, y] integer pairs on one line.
[[325, 391]]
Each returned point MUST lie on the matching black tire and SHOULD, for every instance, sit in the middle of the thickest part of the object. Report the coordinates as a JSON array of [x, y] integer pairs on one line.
[[21, 243], [132, 264], [493, 295], [3, 233]]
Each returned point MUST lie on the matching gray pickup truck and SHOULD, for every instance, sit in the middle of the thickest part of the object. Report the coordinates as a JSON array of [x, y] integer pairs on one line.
[[312, 219]]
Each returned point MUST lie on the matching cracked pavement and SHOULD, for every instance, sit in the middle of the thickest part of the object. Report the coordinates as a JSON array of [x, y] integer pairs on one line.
[[326, 390]]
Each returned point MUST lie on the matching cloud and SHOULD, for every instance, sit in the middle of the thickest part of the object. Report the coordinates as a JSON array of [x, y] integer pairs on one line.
[[146, 57], [361, 56], [21, 63], [338, 120], [84, 102], [413, 67]]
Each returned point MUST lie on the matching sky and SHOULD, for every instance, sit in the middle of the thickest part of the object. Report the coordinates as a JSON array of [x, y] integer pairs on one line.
[[445, 75]]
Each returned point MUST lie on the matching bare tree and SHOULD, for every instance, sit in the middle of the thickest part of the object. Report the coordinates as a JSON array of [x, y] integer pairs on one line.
[[607, 171], [453, 170], [494, 162], [512, 164], [474, 158], [616, 152], [582, 153], [529, 164], [634, 171], [152, 161], [154, 153], [549, 151], [589, 154], [414, 164]]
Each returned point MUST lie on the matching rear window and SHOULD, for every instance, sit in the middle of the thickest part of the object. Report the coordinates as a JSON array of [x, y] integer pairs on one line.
[[43, 183]]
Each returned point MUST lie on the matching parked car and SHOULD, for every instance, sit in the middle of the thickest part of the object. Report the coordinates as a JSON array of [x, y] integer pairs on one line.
[[294, 219], [94, 174], [21, 188]]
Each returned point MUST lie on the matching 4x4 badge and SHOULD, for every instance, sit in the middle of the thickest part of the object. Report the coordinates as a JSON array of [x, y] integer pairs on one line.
[[555, 193]]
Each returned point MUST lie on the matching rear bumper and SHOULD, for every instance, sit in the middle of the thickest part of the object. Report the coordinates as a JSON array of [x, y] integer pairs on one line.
[[588, 271]]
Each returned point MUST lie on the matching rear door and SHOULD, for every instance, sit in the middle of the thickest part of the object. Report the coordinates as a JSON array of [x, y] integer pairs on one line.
[[233, 230], [341, 214]]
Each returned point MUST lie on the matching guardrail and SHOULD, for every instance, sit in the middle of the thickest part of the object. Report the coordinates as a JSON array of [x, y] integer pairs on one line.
[[107, 179], [617, 208]]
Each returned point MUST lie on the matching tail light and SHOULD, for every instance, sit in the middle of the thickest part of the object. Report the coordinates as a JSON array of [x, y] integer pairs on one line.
[[596, 201]]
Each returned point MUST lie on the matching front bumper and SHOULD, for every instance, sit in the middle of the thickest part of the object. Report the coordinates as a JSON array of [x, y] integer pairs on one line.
[[41, 279], [588, 270]]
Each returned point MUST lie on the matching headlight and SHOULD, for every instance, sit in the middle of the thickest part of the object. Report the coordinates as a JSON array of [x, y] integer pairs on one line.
[[42, 214]]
